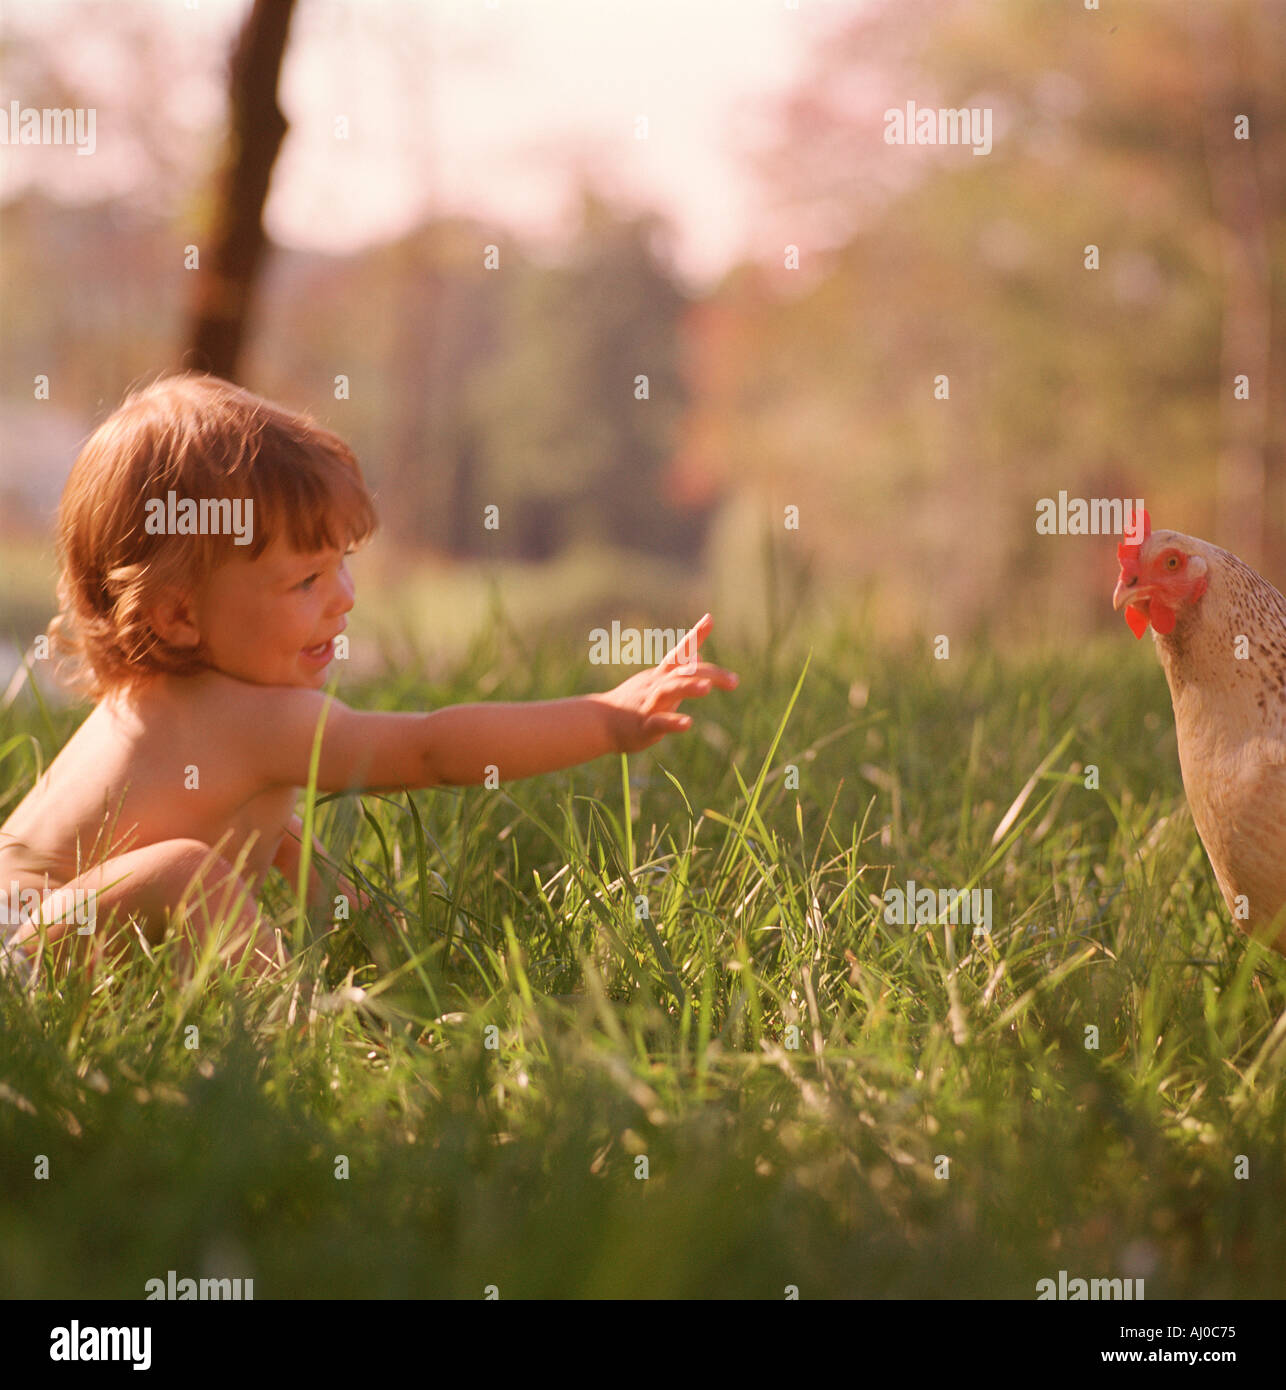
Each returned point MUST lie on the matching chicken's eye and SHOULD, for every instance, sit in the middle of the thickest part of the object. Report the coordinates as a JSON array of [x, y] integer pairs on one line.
[[1172, 562]]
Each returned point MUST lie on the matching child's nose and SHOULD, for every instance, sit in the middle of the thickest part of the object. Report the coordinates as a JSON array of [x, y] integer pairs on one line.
[[344, 591]]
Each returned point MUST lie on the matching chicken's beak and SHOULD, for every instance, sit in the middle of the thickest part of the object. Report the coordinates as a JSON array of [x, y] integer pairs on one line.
[[1124, 592], [1134, 597]]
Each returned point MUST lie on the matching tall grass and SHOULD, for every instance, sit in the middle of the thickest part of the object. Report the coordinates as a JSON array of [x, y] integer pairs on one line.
[[682, 959]]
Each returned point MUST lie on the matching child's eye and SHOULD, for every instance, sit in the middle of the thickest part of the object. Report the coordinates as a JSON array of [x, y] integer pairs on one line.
[[312, 578]]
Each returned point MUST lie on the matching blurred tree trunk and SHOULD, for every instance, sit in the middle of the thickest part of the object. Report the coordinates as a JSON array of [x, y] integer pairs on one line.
[[416, 371], [230, 262], [1241, 479]]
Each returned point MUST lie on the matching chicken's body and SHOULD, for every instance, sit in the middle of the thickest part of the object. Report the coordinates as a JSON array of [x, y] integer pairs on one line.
[[1220, 631]]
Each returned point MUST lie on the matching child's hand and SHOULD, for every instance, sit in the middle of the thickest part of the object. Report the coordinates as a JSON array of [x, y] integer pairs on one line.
[[644, 708]]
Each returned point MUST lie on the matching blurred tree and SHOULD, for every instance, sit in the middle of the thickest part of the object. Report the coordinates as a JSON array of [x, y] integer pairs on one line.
[[1241, 197], [226, 278], [920, 261], [444, 307], [89, 268], [565, 418]]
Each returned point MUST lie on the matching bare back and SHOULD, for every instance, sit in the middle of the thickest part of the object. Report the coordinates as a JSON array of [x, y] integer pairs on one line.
[[161, 763]]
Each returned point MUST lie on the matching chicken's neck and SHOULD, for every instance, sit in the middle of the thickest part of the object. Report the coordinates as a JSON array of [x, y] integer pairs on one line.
[[1225, 662]]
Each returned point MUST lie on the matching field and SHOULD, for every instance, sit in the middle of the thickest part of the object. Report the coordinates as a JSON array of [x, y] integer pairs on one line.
[[642, 1030]]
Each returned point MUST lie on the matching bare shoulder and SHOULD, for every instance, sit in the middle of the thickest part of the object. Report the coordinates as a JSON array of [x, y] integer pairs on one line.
[[259, 719], [224, 699], [275, 729]]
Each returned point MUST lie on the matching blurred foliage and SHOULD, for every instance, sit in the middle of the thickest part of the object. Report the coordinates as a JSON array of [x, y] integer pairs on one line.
[[1110, 383], [813, 387]]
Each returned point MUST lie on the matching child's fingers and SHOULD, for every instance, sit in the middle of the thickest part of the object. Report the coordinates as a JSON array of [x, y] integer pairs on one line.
[[685, 652], [726, 680], [687, 687], [667, 723]]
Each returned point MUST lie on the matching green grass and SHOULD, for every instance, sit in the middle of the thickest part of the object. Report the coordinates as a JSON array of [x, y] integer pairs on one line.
[[793, 1069]]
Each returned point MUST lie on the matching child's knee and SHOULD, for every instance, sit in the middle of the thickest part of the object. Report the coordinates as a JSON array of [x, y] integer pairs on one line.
[[192, 863], [173, 880], [159, 887], [208, 892], [202, 878]]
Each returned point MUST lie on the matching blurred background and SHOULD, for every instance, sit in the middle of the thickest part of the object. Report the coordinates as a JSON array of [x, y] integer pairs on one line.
[[697, 192]]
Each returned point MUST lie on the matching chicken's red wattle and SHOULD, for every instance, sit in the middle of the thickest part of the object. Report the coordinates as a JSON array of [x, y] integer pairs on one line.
[[1162, 617], [1137, 619]]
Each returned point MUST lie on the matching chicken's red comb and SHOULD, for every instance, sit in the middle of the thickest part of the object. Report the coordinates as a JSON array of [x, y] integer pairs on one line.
[[1128, 550]]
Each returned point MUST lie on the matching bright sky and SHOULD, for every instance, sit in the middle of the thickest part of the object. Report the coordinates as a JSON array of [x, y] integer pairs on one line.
[[490, 107], [512, 100]]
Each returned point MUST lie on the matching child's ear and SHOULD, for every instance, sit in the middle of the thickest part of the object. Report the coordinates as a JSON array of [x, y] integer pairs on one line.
[[171, 619]]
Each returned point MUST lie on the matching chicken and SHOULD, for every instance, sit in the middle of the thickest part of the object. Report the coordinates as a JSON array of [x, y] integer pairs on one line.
[[1220, 631]]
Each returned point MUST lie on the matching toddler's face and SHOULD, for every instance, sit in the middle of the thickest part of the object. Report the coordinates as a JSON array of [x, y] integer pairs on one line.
[[272, 620]]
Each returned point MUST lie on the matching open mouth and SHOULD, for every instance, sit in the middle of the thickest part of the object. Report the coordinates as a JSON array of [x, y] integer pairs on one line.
[[321, 652]]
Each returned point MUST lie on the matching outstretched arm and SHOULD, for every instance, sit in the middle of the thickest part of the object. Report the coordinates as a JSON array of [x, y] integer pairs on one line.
[[456, 746]]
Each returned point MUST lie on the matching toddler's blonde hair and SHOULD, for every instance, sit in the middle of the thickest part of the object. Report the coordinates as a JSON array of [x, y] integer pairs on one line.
[[198, 437]]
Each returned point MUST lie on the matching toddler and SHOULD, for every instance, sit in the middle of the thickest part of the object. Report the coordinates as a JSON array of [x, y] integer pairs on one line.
[[203, 535]]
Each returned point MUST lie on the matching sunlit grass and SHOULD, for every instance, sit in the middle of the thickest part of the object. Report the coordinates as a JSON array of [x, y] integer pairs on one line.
[[684, 961]]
